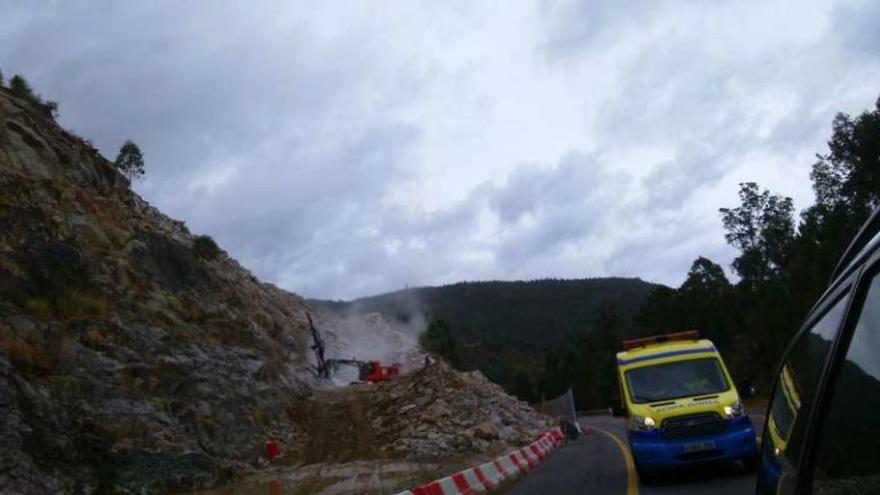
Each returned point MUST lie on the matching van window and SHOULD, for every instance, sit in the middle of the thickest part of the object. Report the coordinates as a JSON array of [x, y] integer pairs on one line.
[[784, 412], [797, 382], [675, 380], [847, 455]]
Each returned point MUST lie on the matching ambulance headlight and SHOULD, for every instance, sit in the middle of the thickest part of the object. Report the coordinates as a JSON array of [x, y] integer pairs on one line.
[[735, 410], [642, 423]]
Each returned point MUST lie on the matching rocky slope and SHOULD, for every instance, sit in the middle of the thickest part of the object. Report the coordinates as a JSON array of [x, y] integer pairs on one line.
[[126, 362]]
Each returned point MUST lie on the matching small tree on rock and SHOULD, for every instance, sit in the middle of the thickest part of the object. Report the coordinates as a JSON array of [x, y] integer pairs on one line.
[[1, 78], [20, 87], [130, 160]]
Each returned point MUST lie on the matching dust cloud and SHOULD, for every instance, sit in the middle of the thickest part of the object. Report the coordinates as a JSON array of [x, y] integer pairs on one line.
[[358, 331]]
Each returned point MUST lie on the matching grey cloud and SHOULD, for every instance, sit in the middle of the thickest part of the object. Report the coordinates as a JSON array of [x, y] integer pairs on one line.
[[681, 90], [577, 26], [719, 103], [285, 130], [543, 209], [199, 84], [662, 248], [578, 177], [671, 183], [294, 220], [856, 22]]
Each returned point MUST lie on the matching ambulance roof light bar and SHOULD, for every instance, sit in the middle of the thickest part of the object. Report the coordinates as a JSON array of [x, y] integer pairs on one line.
[[629, 344]]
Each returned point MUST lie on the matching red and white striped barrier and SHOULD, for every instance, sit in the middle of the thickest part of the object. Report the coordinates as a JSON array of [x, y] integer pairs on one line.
[[483, 477]]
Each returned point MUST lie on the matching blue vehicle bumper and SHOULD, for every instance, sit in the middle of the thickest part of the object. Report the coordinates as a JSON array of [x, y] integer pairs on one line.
[[652, 452]]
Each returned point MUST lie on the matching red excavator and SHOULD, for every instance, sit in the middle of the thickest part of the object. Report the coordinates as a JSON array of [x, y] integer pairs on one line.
[[368, 371]]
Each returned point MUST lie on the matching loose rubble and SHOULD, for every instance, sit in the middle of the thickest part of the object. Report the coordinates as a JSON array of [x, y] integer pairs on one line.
[[436, 410], [430, 413]]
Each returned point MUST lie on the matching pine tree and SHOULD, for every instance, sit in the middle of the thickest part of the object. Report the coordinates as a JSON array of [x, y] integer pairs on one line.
[[130, 160], [20, 87]]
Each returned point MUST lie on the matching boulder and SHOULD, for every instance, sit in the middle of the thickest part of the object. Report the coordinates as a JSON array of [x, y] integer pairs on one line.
[[486, 431]]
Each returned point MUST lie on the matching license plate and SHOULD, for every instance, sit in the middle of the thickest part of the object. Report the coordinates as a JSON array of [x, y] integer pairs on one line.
[[698, 447]]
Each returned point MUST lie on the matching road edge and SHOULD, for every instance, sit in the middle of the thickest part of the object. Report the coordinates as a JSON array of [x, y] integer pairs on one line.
[[490, 474], [632, 481]]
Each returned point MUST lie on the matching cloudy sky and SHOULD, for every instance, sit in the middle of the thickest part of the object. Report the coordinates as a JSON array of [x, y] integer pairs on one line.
[[341, 149]]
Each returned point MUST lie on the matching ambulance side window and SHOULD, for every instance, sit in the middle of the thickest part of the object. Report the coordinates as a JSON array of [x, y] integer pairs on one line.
[[796, 385], [847, 452]]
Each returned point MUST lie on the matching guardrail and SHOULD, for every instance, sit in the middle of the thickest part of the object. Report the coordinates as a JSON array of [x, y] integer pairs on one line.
[[485, 476]]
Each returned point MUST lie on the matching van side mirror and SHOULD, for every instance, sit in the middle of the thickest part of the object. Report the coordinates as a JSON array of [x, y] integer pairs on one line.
[[616, 410]]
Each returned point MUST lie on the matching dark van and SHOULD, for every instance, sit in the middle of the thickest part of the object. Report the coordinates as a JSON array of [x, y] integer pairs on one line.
[[822, 432]]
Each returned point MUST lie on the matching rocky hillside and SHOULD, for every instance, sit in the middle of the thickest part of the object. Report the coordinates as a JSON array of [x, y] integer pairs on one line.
[[127, 362], [131, 361]]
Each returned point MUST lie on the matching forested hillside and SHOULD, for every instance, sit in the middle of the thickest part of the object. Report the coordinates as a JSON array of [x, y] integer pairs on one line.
[[535, 338], [785, 261]]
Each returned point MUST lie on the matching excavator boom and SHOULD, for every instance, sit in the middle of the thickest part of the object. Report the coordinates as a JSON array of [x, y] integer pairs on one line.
[[368, 371]]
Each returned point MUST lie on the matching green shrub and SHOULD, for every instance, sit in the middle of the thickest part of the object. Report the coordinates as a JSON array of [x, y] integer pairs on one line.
[[204, 248], [21, 88]]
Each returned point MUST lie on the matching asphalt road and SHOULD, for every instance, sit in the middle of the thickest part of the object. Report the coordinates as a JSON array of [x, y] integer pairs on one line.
[[600, 463]]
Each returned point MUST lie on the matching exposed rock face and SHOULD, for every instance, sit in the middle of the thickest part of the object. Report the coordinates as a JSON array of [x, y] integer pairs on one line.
[[126, 362]]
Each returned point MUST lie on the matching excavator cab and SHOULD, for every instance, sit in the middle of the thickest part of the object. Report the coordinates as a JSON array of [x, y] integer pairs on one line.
[[373, 371]]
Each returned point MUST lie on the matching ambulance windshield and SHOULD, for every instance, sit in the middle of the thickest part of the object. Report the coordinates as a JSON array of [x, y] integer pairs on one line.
[[675, 380]]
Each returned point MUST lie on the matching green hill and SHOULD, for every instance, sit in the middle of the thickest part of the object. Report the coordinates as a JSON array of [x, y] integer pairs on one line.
[[517, 333]]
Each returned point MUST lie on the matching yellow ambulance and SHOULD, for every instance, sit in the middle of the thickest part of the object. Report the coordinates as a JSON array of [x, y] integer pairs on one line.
[[681, 404]]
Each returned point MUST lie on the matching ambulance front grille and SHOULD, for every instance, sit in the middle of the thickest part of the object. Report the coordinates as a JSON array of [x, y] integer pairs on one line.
[[692, 425]]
